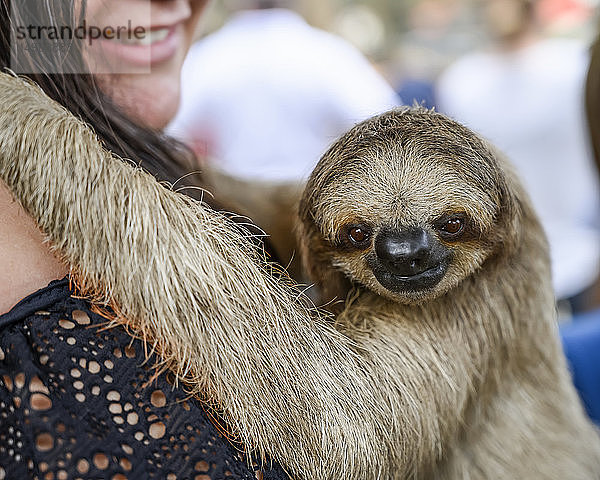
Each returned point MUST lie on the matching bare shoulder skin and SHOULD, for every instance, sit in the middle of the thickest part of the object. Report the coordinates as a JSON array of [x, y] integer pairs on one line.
[[26, 262]]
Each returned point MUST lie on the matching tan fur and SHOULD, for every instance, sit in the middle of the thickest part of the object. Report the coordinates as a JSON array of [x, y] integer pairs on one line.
[[401, 399], [477, 382], [185, 279], [272, 205]]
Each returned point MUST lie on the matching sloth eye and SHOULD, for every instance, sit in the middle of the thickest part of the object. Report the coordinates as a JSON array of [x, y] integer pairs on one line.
[[359, 235], [452, 227]]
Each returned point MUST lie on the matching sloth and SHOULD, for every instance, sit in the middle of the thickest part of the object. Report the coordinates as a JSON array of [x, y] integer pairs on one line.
[[462, 378], [425, 231]]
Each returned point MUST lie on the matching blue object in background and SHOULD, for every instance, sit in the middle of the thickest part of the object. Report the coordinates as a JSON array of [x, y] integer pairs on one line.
[[581, 342], [417, 91]]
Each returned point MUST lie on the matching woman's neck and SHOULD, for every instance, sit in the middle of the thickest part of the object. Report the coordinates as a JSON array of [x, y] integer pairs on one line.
[[26, 262]]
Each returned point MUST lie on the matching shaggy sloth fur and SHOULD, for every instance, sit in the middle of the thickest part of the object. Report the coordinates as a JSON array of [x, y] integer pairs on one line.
[[184, 278], [470, 358], [323, 403]]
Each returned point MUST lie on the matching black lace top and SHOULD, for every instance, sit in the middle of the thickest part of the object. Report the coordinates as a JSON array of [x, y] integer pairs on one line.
[[79, 402]]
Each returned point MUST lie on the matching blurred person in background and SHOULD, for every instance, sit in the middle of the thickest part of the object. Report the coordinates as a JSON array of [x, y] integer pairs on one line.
[[592, 99], [266, 94], [592, 109], [525, 94]]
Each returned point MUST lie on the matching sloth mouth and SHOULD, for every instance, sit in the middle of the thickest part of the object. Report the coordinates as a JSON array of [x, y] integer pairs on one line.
[[424, 280]]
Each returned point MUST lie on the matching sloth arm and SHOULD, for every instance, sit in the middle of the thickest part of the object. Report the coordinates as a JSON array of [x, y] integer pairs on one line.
[[186, 280]]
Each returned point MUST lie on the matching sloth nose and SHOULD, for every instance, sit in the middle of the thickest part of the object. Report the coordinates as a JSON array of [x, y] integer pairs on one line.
[[405, 253]]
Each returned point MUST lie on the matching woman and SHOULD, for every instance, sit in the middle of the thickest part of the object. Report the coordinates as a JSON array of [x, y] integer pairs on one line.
[[96, 417], [130, 94]]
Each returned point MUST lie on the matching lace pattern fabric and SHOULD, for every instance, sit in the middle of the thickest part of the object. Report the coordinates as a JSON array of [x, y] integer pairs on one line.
[[79, 402]]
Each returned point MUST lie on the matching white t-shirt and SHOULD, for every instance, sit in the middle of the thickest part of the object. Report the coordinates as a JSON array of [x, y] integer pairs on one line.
[[265, 95], [529, 103]]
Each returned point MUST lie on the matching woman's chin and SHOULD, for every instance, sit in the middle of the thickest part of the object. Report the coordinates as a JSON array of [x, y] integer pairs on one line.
[[151, 99]]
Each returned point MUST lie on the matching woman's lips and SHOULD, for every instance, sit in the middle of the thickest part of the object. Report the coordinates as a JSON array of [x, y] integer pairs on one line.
[[157, 45]]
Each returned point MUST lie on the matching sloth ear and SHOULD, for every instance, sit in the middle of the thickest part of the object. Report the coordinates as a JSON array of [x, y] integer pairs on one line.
[[315, 254]]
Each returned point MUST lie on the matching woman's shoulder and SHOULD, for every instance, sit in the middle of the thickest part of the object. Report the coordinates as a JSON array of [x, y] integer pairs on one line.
[[26, 261]]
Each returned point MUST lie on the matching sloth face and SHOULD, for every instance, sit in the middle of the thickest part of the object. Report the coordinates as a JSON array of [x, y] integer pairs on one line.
[[406, 259], [408, 204], [409, 261]]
